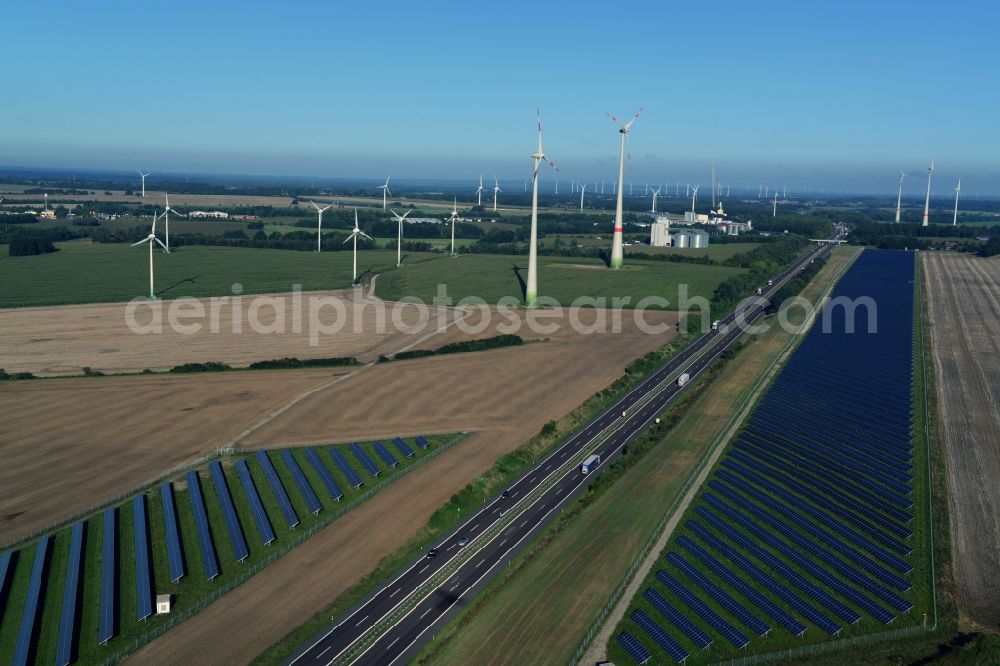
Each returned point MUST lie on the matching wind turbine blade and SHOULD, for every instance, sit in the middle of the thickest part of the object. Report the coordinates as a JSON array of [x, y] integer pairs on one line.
[[613, 119], [314, 204], [161, 244], [406, 213], [144, 240], [348, 238], [361, 233]]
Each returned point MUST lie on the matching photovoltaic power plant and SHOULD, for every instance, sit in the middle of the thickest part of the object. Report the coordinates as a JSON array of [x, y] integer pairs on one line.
[[175, 556], [236, 539], [208, 557], [341, 462], [365, 461], [143, 574], [256, 507], [324, 475], [808, 519], [30, 613], [277, 489], [71, 592], [109, 566], [308, 494]]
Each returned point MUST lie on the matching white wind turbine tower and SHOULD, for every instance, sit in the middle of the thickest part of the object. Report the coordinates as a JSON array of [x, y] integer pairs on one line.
[[354, 236], [479, 192], [774, 212], [385, 191], [399, 236], [583, 189], [166, 219], [899, 197], [958, 188], [151, 239], [656, 193], [143, 177], [927, 201], [531, 289], [454, 216], [694, 197], [617, 255], [319, 224], [496, 188]]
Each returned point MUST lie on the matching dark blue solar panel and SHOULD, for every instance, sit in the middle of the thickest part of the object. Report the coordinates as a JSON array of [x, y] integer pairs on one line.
[[422, 442], [691, 600], [384, 454], [676, 618], [30, 614], [365, 461], [175, 556], [762, 602], [659, 636], [633, 647], [720, 596], [301, 481], [403, 447], [5, 559], [277, 489], [341, 461], [208, 557], [143, 584], [232, 521], [256, 506], [325, 476], [67, 616], [109, 565]]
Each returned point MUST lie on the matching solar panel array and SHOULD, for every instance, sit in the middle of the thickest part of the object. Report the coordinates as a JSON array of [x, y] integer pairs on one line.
[[233, 528], [308, 494], [256, 506], [422, 442], [808, 520], [325, 476], [143, 575], [365, 461], [633, 647], [341, 462], [109, 565], [384, 454], [175, 556], [277, 489], [30, 614], [403, 447], [67, 616], [208, 557]]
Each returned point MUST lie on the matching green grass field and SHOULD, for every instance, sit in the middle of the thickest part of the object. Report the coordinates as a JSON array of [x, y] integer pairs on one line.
[[192, 591], [492, 277]]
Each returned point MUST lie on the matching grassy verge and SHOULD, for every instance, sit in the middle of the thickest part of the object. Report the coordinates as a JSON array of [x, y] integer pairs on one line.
[[539, 610]]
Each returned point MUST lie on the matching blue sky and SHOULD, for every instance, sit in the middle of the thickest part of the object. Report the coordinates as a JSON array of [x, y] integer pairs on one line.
[[807, 94]]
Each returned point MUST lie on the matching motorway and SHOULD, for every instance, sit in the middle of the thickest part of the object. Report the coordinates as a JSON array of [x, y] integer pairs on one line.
[[605, 435]]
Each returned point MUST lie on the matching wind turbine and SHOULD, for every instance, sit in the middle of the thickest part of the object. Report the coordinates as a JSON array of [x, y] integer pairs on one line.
[[774, 212], [899, 197], [479, 192], [694, 197], [143, 176], [399, 236], [531, 289], [496, 188], [656, 193], [319, 225], [617, 258], [166, 219], [385, 191], [583, 189], [927, 201], [958, 188], [354, 236], [713, 184], [454, 216], [151, 239]]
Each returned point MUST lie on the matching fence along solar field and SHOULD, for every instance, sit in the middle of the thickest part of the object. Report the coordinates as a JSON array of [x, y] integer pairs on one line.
[[814, 518], [163, 541]]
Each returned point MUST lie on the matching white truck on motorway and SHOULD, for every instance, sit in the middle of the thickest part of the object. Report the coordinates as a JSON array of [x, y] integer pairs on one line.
[[715, 325], [683, 379], [590, 463]]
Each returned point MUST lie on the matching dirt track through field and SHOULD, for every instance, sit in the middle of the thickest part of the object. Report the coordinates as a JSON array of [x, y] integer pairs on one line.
[[964, 309]]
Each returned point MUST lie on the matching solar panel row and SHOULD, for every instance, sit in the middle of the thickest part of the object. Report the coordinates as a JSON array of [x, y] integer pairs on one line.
[[659, 636], [676, 618], [422, 442], [718, 595], [403, 447], [325, 476], [365, 461], [143, 576], [208, 558], [236, 539], [256, 506], [67, 615], [341, 462], [633, 647], [277, 489], [109, 565], [23, 645], [384, 454], [175, 556], [300, 480], [703, 610]]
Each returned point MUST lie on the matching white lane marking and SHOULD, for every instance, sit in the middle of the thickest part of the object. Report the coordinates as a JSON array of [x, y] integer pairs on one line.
[[323, 652], [449, 547], [473, 528], [395, 593], [424, 613], [392, 643], [423, 570], [361, 620], [480, 563]]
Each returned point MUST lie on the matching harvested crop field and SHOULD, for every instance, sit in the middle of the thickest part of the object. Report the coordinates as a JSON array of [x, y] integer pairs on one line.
[[964, 302]]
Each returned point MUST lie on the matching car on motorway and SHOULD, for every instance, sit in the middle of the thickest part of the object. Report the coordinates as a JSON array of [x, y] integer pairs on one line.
[[432, 553], [464, 539], [505, 493]]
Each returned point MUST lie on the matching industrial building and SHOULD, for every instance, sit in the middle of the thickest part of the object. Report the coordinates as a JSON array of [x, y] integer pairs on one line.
[[659, 235], [690, 238]]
